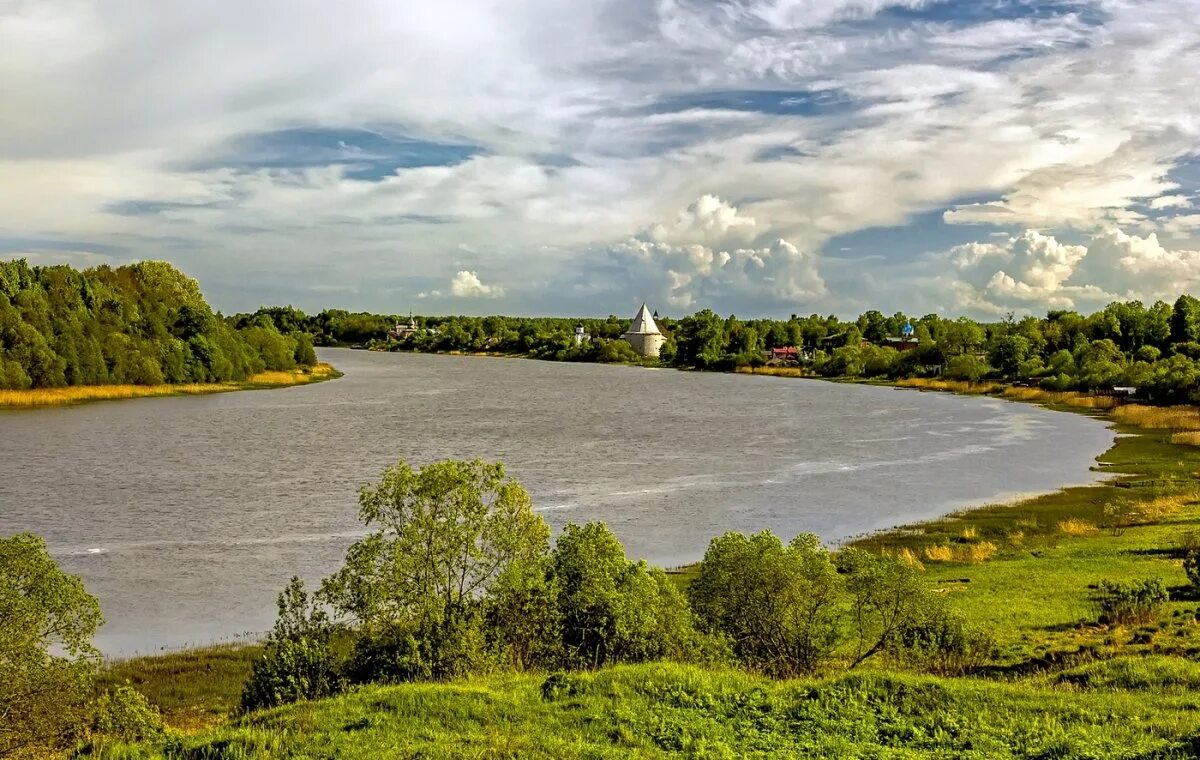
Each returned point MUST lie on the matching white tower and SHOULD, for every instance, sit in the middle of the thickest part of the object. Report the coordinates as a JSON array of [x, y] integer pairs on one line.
[[644, 335]]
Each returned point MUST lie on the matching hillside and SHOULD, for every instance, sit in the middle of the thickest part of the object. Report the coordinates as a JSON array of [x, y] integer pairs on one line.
[[666, 710]]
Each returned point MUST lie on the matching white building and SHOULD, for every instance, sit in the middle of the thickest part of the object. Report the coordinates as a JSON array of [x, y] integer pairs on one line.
[[644, 335]]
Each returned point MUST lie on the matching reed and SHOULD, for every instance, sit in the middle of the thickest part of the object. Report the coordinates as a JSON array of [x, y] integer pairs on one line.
[[774, 371], [972, 554], [953, 386], [1062, 398], [77, 394], [1189, 438], [1178, 418]]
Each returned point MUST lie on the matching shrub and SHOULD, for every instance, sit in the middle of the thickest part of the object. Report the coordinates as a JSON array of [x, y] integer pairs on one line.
[[124, 714], [779, 605], [297, 661], [941, 642], [1132, 603]]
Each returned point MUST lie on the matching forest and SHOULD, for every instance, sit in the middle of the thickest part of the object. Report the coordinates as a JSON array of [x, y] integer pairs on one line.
[[1154, 349], [141, 324]]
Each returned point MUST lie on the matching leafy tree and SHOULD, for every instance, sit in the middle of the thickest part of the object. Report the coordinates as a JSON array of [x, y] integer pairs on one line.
[[442, 537], [778, 605], [47, 662], [1009, 353], [966, 367], [613, 610], [887, 597]]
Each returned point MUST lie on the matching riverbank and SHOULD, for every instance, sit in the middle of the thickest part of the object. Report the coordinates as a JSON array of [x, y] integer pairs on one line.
[[78, 394]]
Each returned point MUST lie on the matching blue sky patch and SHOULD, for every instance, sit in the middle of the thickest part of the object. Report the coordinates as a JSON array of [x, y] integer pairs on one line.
[[365, 154], [775, 102]]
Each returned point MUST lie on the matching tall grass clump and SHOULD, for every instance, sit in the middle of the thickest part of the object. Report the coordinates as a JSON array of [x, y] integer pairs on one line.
[[952, 386], [1178, 418], [1062, 398]]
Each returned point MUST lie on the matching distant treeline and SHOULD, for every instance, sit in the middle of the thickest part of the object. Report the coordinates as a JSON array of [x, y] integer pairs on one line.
[[143, 324], [1155, 349]]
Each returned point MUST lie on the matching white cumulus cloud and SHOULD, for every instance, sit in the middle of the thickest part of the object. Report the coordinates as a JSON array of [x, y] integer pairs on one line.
[[466, 284]]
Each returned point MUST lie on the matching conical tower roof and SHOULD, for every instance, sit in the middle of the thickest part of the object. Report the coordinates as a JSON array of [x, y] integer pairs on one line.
[[643, 323]]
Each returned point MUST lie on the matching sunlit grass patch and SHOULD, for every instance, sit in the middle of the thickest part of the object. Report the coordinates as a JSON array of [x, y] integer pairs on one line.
[[1180, 418], [952, 386], [1063, 398], [76, 394], [775, 371], [1075, 527]]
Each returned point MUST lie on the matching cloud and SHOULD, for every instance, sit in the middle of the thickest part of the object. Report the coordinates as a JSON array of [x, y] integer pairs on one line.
[[1033, 271], [265, 155], [467, 284]]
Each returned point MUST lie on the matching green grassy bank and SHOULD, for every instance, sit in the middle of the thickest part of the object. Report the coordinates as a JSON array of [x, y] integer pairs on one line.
[[665, 710]]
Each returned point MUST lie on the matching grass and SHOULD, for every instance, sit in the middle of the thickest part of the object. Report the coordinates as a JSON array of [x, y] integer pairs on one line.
[[1063, 398], [664, 710], [195, 688], [774, 371], [951, 386], [76, 394]]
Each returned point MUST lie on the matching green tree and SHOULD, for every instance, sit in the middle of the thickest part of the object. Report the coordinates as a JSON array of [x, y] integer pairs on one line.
[[47, 662], [442, 537], [613, 610], [778, 605]]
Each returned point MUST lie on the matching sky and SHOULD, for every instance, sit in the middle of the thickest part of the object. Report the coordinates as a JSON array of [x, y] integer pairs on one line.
[[578, 157]]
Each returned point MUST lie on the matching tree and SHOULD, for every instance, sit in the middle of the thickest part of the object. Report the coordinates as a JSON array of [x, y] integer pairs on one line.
[[297, 661], [1009, 353], [613, 610], [47, 662], [778, 605], [443, 535], [886, 598], [966, 367]]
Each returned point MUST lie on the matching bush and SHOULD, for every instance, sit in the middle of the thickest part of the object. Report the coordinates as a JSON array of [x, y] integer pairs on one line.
[[966, 367], [124, 714], [1132, 603], [941, 642], [297, 661]]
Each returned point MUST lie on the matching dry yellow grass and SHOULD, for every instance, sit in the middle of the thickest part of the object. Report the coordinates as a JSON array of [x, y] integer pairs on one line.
[[40, 397], [774, 371], [1184, 418], [968, 553], [1069, 398], [1165, 506], [953, 386], [1076, 527], [1016, 537], [970, 532], [1189, 438], [907, 556]]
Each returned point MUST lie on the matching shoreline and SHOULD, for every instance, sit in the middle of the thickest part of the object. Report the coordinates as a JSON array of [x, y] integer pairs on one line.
[[73, 395]]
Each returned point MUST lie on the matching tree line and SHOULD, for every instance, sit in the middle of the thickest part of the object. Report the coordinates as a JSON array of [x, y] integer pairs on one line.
[[144, 324], [1153, 348]]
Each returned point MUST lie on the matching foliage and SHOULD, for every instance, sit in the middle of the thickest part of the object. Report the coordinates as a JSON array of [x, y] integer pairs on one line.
[[443, 536], [777, 604], [1130, 603], [666, 710], [297, 660], [47, 663], [613, 610], [124, 714], [142, 324]]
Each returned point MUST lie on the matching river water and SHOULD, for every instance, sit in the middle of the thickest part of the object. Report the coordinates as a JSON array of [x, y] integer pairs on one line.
[[186, 515]]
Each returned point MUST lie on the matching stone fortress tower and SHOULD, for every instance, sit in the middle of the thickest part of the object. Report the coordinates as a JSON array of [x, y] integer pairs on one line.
[[644, 335]]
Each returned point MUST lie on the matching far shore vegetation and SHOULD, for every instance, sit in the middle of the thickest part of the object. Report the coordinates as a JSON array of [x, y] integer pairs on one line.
[[133, 331]]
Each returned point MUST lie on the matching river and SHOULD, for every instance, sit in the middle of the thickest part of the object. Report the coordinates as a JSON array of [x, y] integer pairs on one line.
[[186, 515]]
